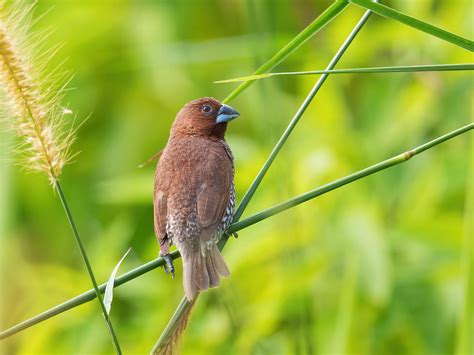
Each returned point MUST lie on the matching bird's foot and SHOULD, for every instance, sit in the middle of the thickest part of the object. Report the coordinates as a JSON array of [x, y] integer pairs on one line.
[[233, 234], [169, 267]]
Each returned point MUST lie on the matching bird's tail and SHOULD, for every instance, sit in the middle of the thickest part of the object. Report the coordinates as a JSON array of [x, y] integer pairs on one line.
[[202, 271]]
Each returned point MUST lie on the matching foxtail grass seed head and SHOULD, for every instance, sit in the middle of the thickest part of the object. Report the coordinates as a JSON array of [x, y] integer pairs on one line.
[[30, 106]]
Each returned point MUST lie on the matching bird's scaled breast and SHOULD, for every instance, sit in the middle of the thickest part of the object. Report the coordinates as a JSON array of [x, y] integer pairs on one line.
[[197, 176]]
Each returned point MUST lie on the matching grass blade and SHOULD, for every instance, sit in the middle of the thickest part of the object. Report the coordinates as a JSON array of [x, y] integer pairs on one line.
[[109, 288], [393, 14], [371, 70], [313, 28]]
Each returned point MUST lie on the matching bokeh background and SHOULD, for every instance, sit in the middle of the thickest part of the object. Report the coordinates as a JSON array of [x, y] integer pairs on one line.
[[377, 267]]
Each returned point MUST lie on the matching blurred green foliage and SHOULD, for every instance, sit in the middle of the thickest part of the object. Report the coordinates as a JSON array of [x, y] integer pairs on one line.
[[377, 267]]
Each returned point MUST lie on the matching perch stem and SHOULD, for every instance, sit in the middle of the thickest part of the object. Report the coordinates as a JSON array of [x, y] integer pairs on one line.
[[345, 180]]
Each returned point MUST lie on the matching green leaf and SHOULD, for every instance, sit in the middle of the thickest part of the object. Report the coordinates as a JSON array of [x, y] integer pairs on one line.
[[386, 11], [109, 288], [371, 70]]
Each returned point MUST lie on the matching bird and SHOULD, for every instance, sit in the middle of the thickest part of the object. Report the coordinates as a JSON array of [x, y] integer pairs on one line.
[[194, 194]]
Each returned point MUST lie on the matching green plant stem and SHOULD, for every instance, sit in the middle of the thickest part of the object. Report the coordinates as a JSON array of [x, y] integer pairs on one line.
[[184, 304], [143, 269], [372, 70], [88, 266], [386, 11], [313, 28], [345, 180]]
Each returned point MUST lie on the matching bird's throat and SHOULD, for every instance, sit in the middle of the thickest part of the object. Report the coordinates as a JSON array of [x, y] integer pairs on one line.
[[218, 131]]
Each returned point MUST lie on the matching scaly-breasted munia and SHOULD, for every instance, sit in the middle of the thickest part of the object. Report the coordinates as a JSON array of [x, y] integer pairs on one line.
[[194, 194]]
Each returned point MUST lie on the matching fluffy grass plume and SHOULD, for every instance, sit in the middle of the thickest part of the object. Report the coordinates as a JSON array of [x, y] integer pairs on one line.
[[28, 99]]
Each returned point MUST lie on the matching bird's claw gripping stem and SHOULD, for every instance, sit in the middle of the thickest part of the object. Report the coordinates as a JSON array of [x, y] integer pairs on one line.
[[232, 234], [169, 267]]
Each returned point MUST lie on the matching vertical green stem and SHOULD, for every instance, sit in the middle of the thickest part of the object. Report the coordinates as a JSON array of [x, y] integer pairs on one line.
[[88, 265]]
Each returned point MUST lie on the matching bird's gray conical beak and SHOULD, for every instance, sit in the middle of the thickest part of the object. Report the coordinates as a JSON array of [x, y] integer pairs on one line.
[[226, 114]]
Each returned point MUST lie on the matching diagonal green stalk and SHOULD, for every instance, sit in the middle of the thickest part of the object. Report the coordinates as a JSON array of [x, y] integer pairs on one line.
[[372, 70], [151, 265], [345, 180], [313, 28], [393, 14], [82, 250]]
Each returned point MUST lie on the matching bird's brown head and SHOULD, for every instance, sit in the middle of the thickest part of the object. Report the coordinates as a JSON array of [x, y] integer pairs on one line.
[[203, 117]]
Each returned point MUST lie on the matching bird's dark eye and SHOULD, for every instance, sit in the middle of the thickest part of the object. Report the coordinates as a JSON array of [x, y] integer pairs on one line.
[[206, 109]]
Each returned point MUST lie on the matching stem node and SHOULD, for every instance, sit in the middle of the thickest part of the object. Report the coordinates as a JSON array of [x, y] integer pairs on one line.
[[408, 154]]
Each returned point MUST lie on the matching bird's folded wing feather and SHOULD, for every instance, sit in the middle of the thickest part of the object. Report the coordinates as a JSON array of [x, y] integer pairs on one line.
[[215, 178], [160, 214]]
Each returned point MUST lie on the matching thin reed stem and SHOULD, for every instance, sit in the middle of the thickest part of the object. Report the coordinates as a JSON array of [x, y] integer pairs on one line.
[[345, 180], [372, 70], [82, 250]]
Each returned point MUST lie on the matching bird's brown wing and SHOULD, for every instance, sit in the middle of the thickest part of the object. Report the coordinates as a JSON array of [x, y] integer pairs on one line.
[[160, 213], [160, 204], [215, 183]]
